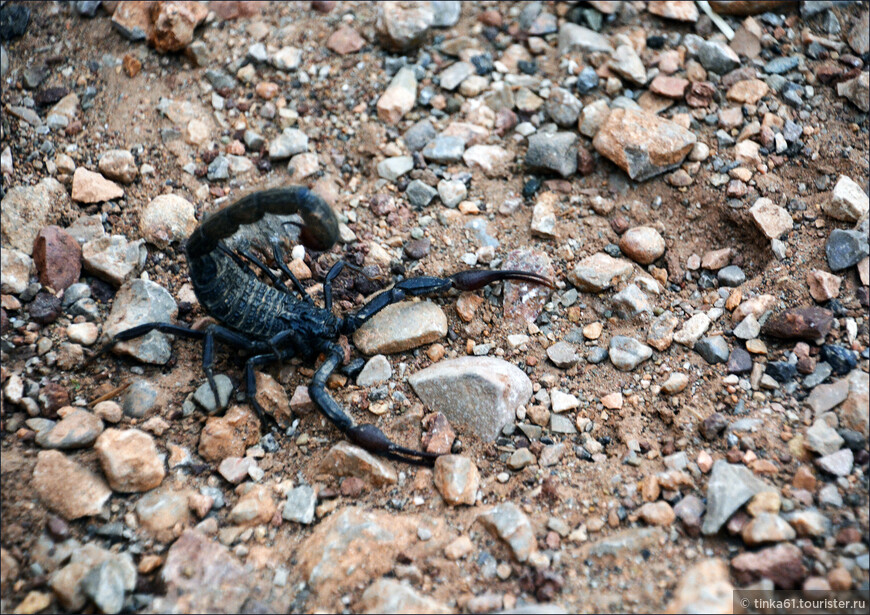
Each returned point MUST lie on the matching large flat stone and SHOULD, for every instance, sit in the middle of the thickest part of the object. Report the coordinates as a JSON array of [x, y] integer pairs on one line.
[[400, 327]]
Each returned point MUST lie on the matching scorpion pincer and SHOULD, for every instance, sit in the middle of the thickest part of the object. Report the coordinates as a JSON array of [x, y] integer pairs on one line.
[[273, 323]]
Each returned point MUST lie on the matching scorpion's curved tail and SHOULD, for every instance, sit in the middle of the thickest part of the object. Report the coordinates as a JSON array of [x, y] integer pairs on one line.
[[319, 232]]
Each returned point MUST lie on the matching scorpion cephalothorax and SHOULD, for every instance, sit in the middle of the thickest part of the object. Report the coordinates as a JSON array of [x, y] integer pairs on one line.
[[273, 323]]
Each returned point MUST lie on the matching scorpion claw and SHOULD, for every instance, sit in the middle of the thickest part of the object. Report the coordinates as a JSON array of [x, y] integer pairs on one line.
[[373, 439], [478, 278]]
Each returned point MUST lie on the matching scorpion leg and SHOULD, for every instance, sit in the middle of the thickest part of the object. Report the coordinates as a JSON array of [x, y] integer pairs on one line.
[[278, 255], [276, 281], [327, 284], [473, 279], [366, 436]]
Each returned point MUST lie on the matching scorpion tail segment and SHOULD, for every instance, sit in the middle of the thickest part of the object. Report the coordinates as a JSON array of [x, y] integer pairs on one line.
[[375, 441], [478, 278], [320, 231]]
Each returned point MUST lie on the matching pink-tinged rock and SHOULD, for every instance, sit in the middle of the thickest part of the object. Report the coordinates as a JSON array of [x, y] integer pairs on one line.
[[493, 160], [823, 285], [229, 435], [523, 301], [748, 91], [755, 306], [457, 479], [235, 469], [345, 459], [129, 460], [657, 513], [345, 40], [599, 272], [782, 564], [173, 24], [273, 399], [90, 187], [805, 323], [399, 97], [716, 259], [68, 488], [680, 11], [642, 144], [439, 435], [234, 9], [704, 588], [58, 258], [770, 218], [642, 244], [403, 26], [670, 87]]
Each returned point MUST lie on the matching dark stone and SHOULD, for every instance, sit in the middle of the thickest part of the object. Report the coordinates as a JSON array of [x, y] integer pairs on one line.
[[45, 308], [805, 323], [531, 187], [49, 96], [842, 360], [596, 355], [483, 64], [781, 371], [655, 41], [713, 426], [845, 248], [528, 67], [587, 80], [417, 248], [713, 349], [852, 439], [739, 362], [14, 19]]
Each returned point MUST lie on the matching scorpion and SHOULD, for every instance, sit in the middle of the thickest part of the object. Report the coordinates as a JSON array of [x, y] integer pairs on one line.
[[273, 323]]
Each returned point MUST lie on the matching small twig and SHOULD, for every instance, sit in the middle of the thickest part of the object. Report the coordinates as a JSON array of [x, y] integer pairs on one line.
[[720, 23], [110, 394]]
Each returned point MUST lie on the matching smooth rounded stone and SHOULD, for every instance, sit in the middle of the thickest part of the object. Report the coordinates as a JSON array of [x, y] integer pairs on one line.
[[642, 244], [771, 219], [692, 330], [290, 142], [399, 97], [204, 396], [577, 38], [78, 429], [479, 393], [393, 596], [299, 507], [599, 272], [493, 160], [657, 513], [782, 564], [119, 165], [804, 323], [457, 479], [713, 349], [27, 210], [717, 57], [767, 527], [403, 27], [166, 219], [376, 370], [419, 135], [730, 487], [287, 58], [419, 193], [109, 411], [630, 302], [345, 459], [446, 13], [748, 329], [129, 460], [452, 192], [627, 64], [823, 285], [113, 258], [642, 144], [106, 584], [344, 41], [393, 168], [676, 383], [846, 248], [731, 276], [626, 353], [90, 187], [563, 107], [823, 439], [401, 326], [552, 152], [508, 523], [444, 149], [139, 302], [68, 488], [520, 459], [16, 267], [563, 355], [58, 258], [837, 464]]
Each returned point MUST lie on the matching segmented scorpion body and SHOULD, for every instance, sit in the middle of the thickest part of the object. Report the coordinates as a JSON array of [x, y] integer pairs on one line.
[[273, 323]]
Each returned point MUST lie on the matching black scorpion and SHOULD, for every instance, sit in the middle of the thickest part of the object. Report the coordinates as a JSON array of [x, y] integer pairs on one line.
[[273, 324]]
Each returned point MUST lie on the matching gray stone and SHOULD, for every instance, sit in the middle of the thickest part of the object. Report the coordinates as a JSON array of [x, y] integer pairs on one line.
[[392, 596], [846, 248], [419, 193], [289, 143], [401, 326], [563, 355], [559, 423], [105, 585], [823, 439], [78, 429], [205, 397], [731, 275], [139, 302], [838, 464], [300, 505], [631, 301], [748, 329], [718, 57], [446, 13], [730, 487], [218, 169], [401, 28], [713, 349], [113, 258], [376, 370], [521, 458], [563, 107], [627, 64], [778, 66], [626, 353], [418, 135], [480, 393], [573, 37], [393, 168], [455, 74], [507, 522], [848, 201], [452, 192], [139, 399], [444, 149], [26, 210], [553, 152]]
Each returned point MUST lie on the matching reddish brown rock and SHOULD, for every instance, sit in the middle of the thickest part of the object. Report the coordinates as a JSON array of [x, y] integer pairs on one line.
[[58, 258], [781, 564], [68, 488], [439, 436], [681, 11], [524, 301], [749, 91], [345, 40], [229, 435], [173, 24], [743, 7], [670, 87], [700, 94], [805, 323], [235, 9], [129, 460], [823, 285]]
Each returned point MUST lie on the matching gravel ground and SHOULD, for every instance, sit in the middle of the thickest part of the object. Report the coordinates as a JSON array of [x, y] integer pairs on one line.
[[683, 414]]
